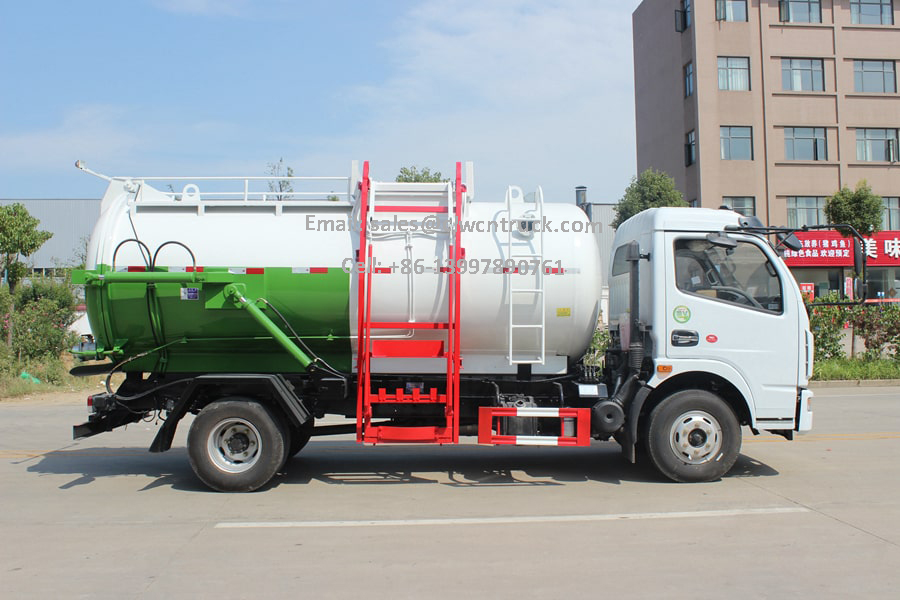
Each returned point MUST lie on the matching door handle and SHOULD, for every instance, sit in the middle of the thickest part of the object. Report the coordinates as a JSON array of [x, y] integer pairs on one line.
[[683, 337]]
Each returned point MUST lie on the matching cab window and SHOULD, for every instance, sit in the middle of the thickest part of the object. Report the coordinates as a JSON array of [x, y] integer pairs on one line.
[[743, 276]]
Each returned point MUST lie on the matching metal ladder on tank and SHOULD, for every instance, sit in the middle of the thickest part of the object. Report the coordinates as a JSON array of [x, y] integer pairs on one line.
[[522, 219], [443, 198]]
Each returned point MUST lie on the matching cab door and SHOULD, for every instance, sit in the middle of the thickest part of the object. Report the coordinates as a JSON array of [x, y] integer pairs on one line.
[[726, 312]]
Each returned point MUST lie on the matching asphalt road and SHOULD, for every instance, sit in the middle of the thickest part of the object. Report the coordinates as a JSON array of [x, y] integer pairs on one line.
[[102, 518]]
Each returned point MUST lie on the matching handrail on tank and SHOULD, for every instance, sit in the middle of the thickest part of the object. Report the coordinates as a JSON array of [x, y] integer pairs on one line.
[[246, 194]]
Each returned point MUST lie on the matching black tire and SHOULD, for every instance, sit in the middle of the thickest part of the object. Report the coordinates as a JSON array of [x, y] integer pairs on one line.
[[236, 445], [693, 436], [299, 438]]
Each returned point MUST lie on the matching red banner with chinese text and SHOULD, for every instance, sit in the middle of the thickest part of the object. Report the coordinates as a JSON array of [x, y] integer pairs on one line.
[[830, 249]]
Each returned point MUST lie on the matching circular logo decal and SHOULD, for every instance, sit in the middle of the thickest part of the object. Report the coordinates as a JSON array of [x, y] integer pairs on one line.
[[712, 339], [682, 314]]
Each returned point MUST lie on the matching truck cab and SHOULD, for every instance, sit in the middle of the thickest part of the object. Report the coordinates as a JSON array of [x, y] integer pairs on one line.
[[709, 319]]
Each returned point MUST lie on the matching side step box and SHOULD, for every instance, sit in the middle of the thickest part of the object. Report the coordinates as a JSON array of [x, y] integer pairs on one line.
[[580, 418]]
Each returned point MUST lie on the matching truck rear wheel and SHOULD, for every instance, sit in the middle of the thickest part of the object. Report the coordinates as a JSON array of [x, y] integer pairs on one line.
[[236, 445], [693, 436], [299, 438]]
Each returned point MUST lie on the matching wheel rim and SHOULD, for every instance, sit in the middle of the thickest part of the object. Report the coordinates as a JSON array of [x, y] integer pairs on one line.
[[696, 437], [234, 445]]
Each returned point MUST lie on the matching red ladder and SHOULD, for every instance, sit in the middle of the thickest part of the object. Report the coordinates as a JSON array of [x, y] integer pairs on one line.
[[367, 348]]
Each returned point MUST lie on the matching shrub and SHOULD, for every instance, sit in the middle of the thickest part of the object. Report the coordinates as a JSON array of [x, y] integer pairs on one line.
[[599, 344], [48, 370], [40, 328], [827, 325], [60, 293], [879, 324]]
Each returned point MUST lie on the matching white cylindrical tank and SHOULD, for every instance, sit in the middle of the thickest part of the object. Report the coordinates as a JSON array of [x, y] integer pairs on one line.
[[309, 237]]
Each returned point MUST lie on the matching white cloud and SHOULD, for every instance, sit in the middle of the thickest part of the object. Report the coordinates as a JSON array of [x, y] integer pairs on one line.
[[534, 92], [85, 131]]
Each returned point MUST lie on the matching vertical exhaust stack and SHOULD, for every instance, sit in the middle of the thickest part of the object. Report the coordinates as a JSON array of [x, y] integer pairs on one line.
[[580, 196]]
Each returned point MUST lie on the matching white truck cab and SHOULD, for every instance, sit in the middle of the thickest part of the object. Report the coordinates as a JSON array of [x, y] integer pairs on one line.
[[715, 331]]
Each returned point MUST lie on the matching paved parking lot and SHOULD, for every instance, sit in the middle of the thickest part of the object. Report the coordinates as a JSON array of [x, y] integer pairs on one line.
[[102, 518]]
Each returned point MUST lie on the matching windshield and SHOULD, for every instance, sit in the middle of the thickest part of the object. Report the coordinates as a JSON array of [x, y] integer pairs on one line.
[[741, 275]]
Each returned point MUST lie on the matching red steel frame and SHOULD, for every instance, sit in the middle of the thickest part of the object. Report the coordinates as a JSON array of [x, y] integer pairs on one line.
[[367, 348]]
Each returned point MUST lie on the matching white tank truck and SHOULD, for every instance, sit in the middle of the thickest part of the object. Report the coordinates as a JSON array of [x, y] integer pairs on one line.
[[420, 316]]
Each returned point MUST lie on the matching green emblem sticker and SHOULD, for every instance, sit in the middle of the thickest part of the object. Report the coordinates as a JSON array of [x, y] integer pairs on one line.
[[682, 314]]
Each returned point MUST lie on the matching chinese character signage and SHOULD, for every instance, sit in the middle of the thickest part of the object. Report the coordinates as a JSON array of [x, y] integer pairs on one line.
[[808, 290], [830, 249]]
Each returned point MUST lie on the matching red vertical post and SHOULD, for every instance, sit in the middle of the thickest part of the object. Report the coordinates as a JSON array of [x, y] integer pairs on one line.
[[362, 362], [455, 317]]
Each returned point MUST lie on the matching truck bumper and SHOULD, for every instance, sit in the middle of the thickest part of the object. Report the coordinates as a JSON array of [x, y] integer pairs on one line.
[[804, 419]]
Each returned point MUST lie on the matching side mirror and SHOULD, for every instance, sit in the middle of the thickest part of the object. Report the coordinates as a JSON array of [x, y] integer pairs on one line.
[[790, 241]]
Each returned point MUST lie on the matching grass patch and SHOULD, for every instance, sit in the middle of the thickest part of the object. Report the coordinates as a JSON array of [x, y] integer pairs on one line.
[[853, 368], [53, 376]]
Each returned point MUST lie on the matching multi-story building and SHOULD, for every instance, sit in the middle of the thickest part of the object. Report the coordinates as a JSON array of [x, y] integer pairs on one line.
[[769, 107]]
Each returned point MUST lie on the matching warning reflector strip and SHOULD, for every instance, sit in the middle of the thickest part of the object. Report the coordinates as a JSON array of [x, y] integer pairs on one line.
[[309, 270], [246, 270], [131, 269], [185, 269]]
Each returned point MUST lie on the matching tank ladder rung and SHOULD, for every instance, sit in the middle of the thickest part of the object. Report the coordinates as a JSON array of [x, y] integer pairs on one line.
[[526, 246]]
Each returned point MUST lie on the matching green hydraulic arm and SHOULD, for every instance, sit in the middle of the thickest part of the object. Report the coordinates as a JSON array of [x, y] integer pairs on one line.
[[236, 294]]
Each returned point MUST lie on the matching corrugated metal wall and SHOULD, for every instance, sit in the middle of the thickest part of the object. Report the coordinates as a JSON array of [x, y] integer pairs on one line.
[[71, 222]]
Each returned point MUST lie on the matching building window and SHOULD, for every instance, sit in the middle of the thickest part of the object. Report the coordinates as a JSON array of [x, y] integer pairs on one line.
[[688, 79], [731, 10], [876, 145], [805, 143], [800, 11], [802, 75], [891, 220], [806, 210], [745, 205], [684, 16], [736, 143], [871, 12], [734, 73], [690, 148], [874, 76]]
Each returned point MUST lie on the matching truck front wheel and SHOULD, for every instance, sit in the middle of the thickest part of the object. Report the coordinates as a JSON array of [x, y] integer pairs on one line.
[[236, 445], [693, 436]]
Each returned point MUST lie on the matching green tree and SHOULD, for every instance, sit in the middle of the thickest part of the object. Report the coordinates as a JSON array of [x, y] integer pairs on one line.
[[280, 187], [651, 189], [19, 237], [413, 175], [860, 208]]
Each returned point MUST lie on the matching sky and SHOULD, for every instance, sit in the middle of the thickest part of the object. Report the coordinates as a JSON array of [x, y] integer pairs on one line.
[[534, 92]]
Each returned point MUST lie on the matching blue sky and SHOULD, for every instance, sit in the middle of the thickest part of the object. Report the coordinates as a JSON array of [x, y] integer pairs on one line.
[[534, 92]]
